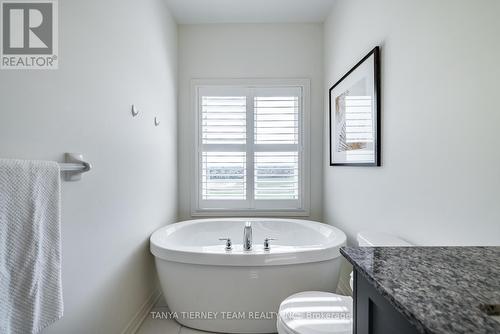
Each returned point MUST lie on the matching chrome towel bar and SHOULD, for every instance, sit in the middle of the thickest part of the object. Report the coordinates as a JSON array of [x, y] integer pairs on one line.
[[74, 166]]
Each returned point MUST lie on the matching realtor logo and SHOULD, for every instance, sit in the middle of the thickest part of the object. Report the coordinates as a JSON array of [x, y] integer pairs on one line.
[[29, 34]]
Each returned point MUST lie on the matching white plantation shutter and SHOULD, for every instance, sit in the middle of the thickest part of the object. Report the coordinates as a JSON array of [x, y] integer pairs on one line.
[[224, 175], [249, 150], [277, 149], [276, 119], [223, 119], [276, 175]]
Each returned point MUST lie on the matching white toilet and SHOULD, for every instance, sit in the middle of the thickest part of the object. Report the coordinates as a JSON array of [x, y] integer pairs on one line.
[[316, 312]]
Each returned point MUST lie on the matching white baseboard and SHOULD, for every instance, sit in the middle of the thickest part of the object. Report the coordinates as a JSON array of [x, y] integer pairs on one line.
[[136, 321]]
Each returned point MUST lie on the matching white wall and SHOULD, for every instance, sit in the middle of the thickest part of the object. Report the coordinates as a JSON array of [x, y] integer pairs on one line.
[[249, 51], [112, 53], [440, 180]]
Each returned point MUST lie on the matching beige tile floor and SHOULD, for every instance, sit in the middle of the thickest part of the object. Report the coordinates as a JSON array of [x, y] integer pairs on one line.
[[164, 326]]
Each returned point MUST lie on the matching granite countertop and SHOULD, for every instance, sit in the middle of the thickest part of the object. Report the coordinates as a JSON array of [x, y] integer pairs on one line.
[[438, 289]]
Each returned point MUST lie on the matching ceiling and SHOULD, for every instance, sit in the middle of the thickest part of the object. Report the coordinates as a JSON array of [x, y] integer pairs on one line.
[[249, 11]]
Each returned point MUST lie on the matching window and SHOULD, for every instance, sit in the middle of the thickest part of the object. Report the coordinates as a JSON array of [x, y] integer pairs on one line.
[[250, 153]]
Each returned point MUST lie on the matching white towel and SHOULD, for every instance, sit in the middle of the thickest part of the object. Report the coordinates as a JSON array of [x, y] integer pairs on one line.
[[30, 246]]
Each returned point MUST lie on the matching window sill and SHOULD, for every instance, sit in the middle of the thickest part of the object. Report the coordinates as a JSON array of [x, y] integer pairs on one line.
[[250, 213]]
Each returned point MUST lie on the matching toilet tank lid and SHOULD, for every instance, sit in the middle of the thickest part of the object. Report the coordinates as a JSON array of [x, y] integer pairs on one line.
[[380, 239], [316, 312]]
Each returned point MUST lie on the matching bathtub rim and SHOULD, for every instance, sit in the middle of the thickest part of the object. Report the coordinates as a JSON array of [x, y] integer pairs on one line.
[[245, 259]]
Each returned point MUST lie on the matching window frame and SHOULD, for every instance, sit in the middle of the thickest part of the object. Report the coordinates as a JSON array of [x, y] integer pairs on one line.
[[304, 146]]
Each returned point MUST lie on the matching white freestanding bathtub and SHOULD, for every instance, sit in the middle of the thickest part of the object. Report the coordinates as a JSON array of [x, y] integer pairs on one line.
[[209, 288]]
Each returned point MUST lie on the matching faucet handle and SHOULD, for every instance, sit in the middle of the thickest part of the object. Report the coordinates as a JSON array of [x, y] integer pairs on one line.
[[229, 244], [267, 244]]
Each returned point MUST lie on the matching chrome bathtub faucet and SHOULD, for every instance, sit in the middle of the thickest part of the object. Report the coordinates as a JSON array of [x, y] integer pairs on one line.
[[247, 236], [267, 243], [229, 244]]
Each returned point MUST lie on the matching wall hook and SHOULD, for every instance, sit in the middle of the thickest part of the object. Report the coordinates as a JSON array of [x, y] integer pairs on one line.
[[157, 122], [135, 111]]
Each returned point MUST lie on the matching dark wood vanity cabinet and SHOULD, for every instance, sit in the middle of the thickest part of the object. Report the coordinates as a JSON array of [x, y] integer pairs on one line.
[[373, 314]]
